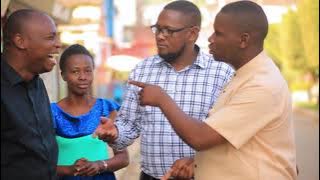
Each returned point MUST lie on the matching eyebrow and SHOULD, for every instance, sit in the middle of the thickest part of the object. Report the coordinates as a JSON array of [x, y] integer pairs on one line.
[[78, 67], [52, 33], [166, 27]]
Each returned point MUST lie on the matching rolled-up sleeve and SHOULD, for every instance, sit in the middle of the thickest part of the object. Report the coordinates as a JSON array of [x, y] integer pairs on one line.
[[128, 120]]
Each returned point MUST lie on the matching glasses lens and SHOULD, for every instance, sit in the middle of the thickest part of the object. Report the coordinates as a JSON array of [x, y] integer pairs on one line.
[[163, 31], [154, 29], [166, 32]]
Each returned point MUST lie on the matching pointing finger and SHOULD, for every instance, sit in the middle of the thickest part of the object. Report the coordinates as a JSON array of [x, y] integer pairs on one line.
[[137, 83]]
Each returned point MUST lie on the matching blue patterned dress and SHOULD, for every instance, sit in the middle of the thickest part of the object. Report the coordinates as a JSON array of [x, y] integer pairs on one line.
[[74, 137]]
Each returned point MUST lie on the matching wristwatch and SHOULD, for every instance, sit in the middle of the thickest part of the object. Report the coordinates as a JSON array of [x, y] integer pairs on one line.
[[105, 165]]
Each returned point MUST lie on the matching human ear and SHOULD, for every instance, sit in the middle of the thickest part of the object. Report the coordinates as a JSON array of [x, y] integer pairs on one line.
[[194, 33], [19, 41], [244, 40]]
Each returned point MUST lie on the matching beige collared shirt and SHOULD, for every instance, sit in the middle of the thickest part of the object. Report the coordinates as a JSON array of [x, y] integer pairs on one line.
[[254, 114]]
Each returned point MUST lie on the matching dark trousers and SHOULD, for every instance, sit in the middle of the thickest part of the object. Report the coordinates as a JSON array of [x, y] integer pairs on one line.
[[144, 176]]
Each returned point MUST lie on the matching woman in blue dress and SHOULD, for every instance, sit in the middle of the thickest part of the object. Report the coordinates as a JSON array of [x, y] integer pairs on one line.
[[81, 156]]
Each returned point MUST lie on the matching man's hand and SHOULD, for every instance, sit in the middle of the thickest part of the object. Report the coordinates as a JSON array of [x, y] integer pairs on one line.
[[151, 95], [106, 130], [181, 169]]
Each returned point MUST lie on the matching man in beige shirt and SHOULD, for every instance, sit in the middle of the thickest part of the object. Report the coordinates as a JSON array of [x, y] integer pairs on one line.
[[248, 134]]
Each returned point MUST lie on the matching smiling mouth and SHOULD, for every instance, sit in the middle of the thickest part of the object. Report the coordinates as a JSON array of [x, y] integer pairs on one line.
[[53, 58]]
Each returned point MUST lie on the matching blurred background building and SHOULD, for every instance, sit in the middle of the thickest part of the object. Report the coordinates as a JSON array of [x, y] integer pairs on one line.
[[117, 33]]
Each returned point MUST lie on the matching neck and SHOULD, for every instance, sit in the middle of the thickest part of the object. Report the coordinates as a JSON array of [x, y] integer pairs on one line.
[[18, 62], [186, 58], [247, 57], [79, 100]]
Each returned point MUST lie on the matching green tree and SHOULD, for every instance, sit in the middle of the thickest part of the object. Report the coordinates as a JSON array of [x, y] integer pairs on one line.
[[291, 47], [308, 17], [283, 44], [294, 44], [272, 44]]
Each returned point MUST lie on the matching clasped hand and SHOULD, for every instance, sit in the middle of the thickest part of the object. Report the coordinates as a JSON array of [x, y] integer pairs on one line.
[[83, 167]]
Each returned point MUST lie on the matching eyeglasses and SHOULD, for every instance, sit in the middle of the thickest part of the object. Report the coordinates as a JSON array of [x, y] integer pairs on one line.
[[165, 31]]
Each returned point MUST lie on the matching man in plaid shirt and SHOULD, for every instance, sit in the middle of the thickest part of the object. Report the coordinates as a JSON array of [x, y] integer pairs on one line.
[[191, 77]]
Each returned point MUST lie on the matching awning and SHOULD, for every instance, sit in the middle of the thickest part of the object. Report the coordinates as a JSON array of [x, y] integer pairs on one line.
[[4, 7], [54, 8]]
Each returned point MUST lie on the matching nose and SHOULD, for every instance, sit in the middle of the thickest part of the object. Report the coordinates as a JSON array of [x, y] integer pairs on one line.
[[159, 35], [58, 44], [82, 76], [211, 38]]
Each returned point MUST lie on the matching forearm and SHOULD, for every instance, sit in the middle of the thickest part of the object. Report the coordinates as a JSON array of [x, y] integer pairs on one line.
[[118, 161], [127, 133], [194, 132], [65, 171], [127, 121]]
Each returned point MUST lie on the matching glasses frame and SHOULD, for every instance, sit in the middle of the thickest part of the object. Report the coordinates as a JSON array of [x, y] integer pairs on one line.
[[166, 31]]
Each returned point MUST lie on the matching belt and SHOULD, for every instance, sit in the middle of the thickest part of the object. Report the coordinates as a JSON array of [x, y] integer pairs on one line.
[[144, 176]]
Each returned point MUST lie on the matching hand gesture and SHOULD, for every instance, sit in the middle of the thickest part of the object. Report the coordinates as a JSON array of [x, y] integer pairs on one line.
[[106, 130], [87, 168], [181, 169], [151, 95], [78, 165]]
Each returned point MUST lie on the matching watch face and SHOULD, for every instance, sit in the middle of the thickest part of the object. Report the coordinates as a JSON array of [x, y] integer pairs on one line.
[[105, 164]]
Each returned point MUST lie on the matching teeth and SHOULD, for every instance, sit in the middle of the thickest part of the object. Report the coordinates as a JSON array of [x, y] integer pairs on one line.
[[53, 58], [54, 55]]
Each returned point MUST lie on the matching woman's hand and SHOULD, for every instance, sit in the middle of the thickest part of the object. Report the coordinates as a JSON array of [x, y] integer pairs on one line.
[[89, 168]]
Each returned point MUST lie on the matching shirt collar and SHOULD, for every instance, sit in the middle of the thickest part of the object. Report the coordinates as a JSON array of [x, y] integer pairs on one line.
[[200, 61], [252, 65], [11, 76], [9, 73]]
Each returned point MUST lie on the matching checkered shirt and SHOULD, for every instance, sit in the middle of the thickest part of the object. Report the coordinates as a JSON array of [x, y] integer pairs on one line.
[[194, 89]]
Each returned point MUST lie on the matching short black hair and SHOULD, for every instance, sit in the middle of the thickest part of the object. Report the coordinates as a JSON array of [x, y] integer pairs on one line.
[[73, 50], [248, 16], [15, 23], [187, 8]]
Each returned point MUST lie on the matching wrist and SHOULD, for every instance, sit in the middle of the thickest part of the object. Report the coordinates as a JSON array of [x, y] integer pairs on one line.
[[103, 165], [70, 171], [164, 100]]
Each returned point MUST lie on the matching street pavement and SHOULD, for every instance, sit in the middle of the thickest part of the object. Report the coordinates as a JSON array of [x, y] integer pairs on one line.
[[133, 170], [307, 141]]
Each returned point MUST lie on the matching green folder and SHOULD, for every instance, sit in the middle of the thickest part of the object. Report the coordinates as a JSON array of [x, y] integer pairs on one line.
[[72, 149]]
